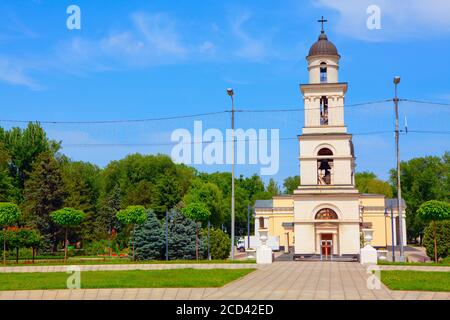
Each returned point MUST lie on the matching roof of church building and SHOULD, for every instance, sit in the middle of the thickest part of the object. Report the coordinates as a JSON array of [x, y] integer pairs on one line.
[[263, 203], [323, 47]]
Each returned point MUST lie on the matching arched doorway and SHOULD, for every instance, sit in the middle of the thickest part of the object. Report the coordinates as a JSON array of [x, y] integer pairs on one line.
[[326, 233]]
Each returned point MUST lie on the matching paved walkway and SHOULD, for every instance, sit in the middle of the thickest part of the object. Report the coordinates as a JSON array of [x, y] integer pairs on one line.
[[121, 267], [281, 280]]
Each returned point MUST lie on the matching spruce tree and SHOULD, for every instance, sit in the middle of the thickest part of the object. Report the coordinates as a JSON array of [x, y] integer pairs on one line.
[[149, 239], [182, 234], [44, 193]]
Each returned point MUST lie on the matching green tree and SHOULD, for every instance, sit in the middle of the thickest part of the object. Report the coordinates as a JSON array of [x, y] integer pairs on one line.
[[9, 215], [132, 215], [367, 182], [67, 218], [290, 184], [423, 179], [273, 188], [197, 212], [8, 191], [441, 232], [106, 221], [82, 186], [149, 239], [167, 194], [210, 195], [432, 211], [182, 237], [17, 238], [44, 193], [24, 147]]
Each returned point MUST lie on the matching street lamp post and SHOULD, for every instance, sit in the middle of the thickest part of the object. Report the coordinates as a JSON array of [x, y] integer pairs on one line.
[[399, 190], [167, 235], [248, 225], [230, 92]]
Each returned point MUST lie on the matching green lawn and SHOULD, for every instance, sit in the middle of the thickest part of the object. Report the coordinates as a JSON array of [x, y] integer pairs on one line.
[[178, 278], [416, 280], [78, 261], [443, 263]]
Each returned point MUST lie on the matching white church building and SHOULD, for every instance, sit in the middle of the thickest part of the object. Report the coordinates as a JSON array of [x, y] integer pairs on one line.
[[325, 214]]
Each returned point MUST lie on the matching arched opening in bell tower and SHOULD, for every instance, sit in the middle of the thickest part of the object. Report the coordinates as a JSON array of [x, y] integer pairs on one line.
[[324, 167], [323, 72], [323, 110]]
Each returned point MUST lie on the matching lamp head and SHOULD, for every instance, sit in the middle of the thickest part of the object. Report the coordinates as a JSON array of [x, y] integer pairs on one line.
[[396, 80], [230, 92]]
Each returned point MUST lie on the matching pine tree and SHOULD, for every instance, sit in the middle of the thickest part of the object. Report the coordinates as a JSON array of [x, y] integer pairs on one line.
[[44, 193], [182, 236], [149, 239], [106, 220]]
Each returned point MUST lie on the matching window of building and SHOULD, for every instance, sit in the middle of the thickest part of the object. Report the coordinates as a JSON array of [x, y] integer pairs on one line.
[[261, 223], [326, 214], [323, 72], [324, 110]]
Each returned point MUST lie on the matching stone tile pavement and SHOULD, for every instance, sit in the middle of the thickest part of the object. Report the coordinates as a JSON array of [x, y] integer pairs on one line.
[[121, 267], [282, 280]]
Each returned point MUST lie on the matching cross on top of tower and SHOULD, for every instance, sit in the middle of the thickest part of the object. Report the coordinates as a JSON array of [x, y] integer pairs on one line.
[[322, 21]]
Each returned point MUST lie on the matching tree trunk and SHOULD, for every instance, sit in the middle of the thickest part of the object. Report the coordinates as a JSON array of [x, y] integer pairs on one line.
[[4, 245], [435, 244], [17, 255], [65, 247], [34, 253], [196, 241]]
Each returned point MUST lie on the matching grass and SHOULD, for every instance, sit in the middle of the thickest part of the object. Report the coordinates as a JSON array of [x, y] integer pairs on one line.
[[178, 278], [101, 261], [416, 280], [443, 263]]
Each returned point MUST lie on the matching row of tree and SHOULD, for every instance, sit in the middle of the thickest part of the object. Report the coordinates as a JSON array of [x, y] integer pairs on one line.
[[40, 180]]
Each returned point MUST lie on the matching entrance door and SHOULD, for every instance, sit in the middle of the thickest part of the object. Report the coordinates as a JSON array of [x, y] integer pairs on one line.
[[326, 245]]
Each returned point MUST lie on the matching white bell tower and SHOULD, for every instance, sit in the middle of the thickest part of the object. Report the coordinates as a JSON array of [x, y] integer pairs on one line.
[[326, 203]]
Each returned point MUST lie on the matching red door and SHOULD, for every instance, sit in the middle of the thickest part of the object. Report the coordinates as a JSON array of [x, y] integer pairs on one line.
[[326, 244]]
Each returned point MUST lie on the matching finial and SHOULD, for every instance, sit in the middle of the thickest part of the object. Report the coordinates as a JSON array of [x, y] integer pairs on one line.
[[322, 21]]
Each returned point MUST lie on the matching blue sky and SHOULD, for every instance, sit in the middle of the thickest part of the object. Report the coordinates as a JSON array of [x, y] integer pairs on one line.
[[143, 59]]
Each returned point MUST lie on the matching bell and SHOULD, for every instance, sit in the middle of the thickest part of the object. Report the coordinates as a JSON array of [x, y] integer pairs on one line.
[[324, 165]]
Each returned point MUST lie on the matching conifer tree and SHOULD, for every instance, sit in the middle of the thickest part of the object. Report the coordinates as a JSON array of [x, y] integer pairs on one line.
[[44, 193], [182, 236], [149, 239]]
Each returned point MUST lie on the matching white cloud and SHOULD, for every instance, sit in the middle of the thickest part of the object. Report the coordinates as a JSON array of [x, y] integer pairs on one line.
[[207, 47], [250, 47], [399, 19], [159, 30], [13, 72]]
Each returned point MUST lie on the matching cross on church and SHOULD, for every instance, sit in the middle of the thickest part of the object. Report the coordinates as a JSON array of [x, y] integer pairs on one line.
[[322, 21]]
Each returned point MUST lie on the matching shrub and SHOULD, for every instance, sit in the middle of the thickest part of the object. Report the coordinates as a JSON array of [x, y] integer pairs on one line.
[[442, 238], [96, 247], [220, 244]]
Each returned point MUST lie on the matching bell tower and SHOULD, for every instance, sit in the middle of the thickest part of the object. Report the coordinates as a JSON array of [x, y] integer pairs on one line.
[[326, 150], [326, 203]]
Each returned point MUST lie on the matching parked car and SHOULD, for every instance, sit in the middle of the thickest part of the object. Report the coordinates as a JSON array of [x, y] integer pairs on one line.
[[241, 245]]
